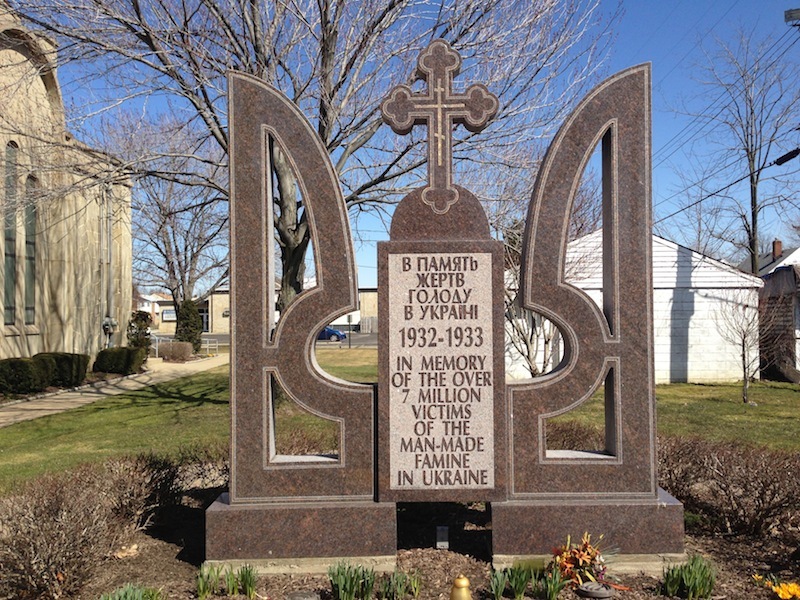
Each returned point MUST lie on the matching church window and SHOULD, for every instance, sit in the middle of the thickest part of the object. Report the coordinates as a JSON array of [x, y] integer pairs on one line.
[[10, 235], [30, 251]]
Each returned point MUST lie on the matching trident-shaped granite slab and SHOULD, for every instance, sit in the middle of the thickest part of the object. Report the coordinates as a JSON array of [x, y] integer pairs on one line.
[[555, 493], [282, 508]]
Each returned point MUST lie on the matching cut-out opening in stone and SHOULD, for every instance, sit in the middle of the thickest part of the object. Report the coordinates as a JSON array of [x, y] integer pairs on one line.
[[587, 431], [583, 265], [297, 434], [533, 343], [588, 264], [357, 365], [294, 266]]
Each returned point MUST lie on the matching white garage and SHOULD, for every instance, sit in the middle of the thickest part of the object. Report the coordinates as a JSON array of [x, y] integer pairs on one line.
[[701, 311]]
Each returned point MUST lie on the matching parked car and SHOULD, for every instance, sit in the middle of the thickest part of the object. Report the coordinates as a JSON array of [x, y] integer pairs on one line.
[[331, 334]]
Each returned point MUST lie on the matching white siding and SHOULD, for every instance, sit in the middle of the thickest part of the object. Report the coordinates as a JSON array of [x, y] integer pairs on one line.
[[689, 292]]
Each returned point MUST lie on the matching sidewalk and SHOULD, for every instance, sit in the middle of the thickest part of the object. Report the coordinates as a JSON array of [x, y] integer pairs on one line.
[[54, 403]]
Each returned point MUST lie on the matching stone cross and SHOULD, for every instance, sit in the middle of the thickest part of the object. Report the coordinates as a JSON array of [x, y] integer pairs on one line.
[[440, 109]]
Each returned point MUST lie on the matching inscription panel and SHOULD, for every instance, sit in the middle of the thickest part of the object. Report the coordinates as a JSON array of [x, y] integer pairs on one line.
[[441, 371]]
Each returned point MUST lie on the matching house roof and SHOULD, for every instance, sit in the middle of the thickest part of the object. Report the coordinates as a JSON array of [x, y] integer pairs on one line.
[[674, 266], [767, 263]]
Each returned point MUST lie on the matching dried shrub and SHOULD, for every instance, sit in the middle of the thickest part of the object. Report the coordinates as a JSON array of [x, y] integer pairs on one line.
[[679, 470], [204, 467], [175, 351], [138, 487], [573, 435], [754, 488], [59, 528], [739, 489], [52, 536]]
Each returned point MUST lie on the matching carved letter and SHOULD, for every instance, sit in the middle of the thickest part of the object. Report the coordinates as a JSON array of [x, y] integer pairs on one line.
[[613, 345], [258, 112]]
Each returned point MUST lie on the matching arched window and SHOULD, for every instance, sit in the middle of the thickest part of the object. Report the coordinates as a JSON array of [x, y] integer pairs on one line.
[[10, 236], [30, 249]]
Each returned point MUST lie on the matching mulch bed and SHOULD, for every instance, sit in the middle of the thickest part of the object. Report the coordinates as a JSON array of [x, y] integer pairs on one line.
[[169, 555]]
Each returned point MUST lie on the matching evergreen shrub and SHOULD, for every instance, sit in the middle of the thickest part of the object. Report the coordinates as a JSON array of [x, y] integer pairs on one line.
[[23, 375], [139, 330], [69, 369], [124, 361], [47, 368], [189, 327]]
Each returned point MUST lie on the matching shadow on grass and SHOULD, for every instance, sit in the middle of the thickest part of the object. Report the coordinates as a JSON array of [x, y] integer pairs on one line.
[[187, 393], [174, 394]]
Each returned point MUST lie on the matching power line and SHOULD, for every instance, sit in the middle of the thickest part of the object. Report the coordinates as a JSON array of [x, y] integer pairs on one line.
[[697, 43], [721, 169], [778, 161], [699, 122]]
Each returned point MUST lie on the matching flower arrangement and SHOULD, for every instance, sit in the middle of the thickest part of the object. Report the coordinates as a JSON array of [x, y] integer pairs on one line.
[[582, 562]]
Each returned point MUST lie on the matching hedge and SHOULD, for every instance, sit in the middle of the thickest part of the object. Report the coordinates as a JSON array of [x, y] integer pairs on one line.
[[69, 369], [124, 361], [30, 375], [23, 375]]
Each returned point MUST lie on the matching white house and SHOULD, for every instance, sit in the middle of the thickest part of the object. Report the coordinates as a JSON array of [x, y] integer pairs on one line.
[[692, 295]]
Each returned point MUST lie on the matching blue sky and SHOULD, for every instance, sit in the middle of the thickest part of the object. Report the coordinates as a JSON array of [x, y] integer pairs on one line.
[[672, 35]]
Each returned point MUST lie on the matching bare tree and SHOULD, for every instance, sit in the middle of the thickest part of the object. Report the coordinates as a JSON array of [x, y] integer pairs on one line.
[[529, 335], [702, 224], [179, 230], [335, 60], [754, 106], [738, 322], [179, 242]]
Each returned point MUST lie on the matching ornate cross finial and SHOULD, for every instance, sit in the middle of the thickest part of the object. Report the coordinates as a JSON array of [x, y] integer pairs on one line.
[[439, 108]]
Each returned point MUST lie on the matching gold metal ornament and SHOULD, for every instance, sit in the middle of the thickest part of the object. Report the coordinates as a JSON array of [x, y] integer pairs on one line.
[[460, 589]]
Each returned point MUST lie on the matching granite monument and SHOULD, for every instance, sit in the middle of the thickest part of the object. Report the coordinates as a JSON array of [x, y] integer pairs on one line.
[[444, 426]]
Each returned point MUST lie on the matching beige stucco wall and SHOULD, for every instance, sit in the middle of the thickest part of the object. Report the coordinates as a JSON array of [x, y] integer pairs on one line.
[[83, 235], [368, 303], [219, 305]]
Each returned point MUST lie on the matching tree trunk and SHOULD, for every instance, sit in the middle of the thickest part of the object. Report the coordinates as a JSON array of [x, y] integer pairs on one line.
[[745, 374], [753, 241], [294, 270], [291, 227]]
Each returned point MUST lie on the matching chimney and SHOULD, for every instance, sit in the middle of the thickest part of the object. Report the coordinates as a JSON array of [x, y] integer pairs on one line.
[[777, 249]]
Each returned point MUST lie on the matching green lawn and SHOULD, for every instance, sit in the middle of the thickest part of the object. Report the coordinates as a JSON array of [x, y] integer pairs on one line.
[[194, 412], [355, 364], [165, 418], [717, 412]]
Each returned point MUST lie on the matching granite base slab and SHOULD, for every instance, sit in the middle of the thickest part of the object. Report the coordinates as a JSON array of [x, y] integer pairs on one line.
[[631, 526], [307, 566], [653, 565], [287, 535]]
